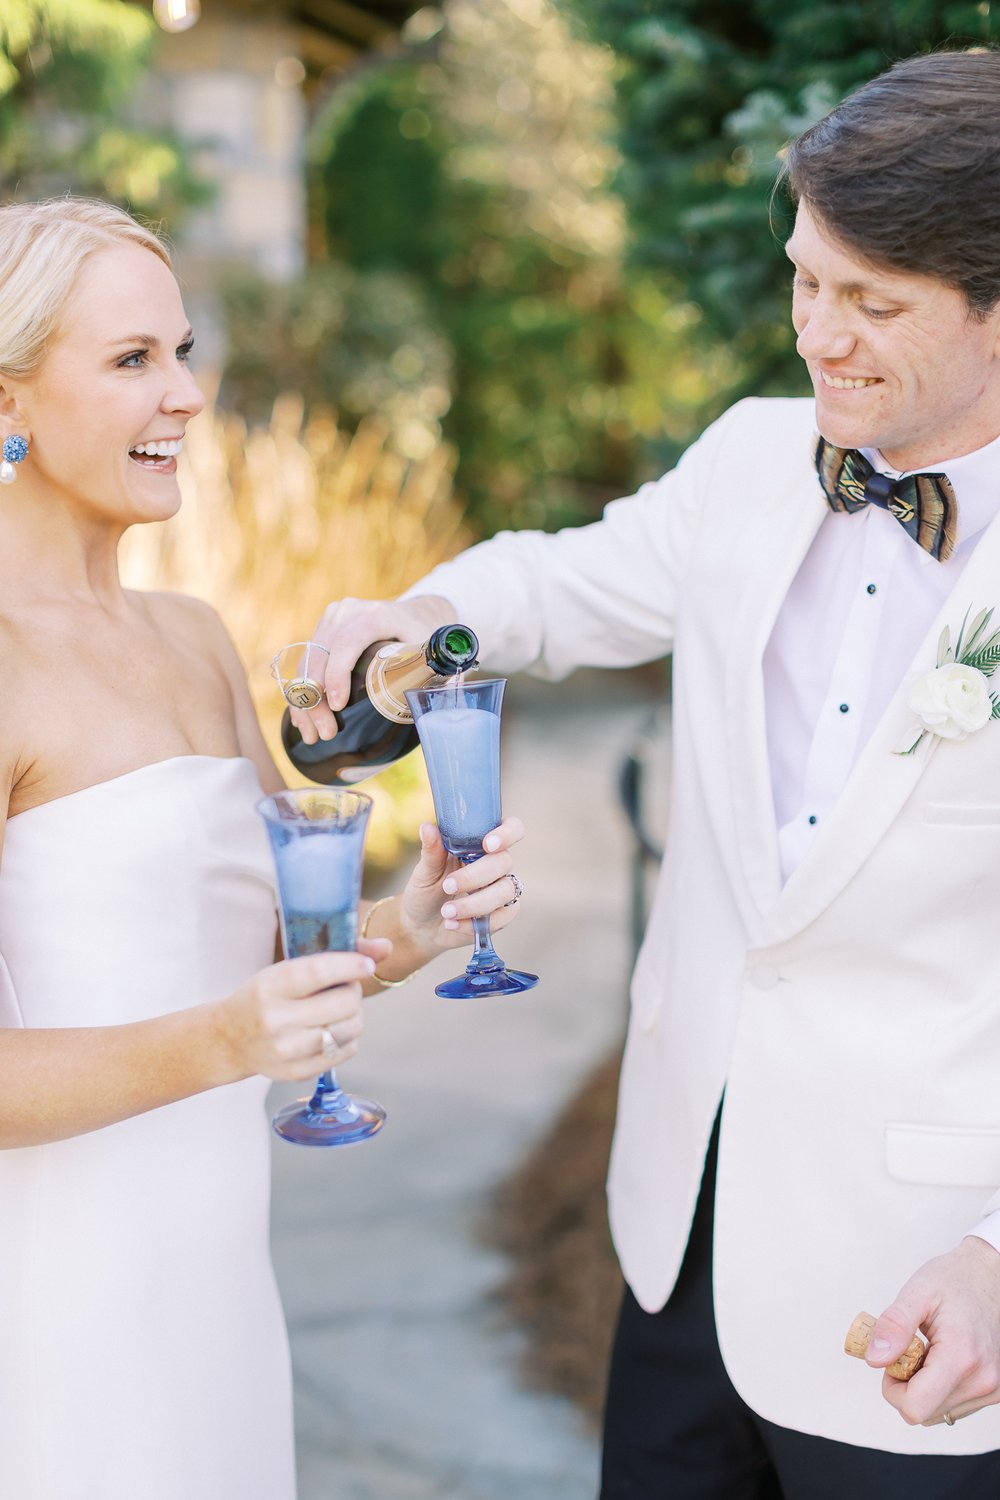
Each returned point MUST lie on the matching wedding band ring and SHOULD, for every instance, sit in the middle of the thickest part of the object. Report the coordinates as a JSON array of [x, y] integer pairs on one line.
[[949, 1419], [329, 1041], [518, 890]]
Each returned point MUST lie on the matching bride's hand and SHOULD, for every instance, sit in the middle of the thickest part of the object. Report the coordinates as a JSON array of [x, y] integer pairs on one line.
[[442, 895], [300, 1017]]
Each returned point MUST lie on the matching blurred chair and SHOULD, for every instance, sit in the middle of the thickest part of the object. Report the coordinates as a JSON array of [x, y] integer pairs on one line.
[[644, 789]]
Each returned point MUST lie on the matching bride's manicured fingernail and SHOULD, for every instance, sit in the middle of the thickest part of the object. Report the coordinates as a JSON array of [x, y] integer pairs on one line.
[[450, 885], [448, 910], [491, 843], [452, 926]]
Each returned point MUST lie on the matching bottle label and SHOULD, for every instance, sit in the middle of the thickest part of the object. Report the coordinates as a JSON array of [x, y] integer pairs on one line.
[[393, 669]]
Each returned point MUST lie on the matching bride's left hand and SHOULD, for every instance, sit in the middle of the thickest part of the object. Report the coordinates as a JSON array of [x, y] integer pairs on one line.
[[442, 895]]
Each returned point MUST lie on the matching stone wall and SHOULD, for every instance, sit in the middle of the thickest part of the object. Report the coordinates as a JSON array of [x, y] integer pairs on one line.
[[232, 87]]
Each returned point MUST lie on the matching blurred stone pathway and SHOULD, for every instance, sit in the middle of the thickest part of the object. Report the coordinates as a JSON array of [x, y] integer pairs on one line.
[[406, 1369]]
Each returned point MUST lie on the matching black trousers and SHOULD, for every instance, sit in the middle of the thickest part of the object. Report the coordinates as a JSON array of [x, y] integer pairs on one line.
[[676, 1429]]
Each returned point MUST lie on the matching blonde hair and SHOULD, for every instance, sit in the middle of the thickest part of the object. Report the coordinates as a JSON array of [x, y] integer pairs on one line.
[[42, 249]]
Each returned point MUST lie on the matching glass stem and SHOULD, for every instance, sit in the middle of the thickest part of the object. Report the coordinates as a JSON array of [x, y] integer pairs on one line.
[[484, 955], [328, 1092]]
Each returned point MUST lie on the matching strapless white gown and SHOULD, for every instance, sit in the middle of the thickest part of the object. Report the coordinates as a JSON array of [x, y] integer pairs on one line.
[[143, 1353]]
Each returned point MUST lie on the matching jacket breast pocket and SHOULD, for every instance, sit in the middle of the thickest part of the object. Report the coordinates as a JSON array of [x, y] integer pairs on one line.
[[952, 1156], [963, 814]]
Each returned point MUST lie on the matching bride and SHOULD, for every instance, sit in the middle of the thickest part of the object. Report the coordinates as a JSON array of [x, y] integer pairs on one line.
[[142, 1348]]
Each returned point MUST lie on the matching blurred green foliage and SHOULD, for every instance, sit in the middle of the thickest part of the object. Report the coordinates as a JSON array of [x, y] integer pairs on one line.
[[68, 69], [708, 94], [362, 342], [530, 322], [468, 280], [472, 197], [477, 167]]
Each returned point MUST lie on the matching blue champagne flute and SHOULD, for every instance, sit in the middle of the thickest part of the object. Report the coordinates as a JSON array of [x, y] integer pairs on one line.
[[459, 729], [317, 839]]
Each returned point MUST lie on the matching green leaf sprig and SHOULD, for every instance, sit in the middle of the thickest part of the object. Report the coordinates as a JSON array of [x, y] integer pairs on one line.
[[975, 649]]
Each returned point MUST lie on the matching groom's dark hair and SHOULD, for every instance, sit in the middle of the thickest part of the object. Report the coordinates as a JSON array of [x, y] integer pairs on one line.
[[906, 171]]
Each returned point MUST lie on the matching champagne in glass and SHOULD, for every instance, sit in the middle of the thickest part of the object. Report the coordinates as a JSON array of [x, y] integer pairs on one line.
[[459, 728], [317, 839], [461, 749]]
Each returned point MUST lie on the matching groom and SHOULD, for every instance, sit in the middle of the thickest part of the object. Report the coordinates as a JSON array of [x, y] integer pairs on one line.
[[809, 1120]]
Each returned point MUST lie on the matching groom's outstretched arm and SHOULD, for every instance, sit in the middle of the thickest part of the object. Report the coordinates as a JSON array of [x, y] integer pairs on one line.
[[599, 595]]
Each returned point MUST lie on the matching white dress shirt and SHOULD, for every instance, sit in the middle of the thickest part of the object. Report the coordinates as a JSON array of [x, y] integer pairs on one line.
[[851, 623]]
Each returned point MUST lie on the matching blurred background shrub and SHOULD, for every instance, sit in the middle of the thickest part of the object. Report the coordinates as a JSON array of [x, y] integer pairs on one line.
[[708, 92], [364, 342], [69, 70]]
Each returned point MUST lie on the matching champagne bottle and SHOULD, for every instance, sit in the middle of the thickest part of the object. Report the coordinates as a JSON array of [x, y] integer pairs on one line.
[[375, 727]]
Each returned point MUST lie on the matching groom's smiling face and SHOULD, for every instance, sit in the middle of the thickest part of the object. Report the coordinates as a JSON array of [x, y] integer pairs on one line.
[[898, 361], [115, 384]]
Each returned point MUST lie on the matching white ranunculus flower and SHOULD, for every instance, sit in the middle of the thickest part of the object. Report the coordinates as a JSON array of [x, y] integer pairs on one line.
[[952, 701]]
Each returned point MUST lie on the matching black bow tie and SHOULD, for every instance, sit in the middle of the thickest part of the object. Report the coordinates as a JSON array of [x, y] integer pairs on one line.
[[923, 504]]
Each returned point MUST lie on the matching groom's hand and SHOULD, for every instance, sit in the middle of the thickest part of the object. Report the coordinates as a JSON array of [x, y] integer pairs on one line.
[[349, 625], [955, 1300]]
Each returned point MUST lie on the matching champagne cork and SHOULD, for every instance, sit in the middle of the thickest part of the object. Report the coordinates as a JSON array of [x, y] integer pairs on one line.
[[859, 1336]]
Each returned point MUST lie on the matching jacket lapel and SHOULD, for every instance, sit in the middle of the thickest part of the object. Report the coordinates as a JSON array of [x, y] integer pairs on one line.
[[781, 540], [882, 781]]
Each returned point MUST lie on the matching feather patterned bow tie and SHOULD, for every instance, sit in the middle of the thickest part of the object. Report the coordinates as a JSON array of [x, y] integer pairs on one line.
[[923, 504]]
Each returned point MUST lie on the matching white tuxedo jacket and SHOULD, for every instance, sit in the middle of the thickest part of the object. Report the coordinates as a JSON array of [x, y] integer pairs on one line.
[[852, 1017]]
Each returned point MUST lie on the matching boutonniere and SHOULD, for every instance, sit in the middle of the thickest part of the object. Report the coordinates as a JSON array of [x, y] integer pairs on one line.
[[954, 698]]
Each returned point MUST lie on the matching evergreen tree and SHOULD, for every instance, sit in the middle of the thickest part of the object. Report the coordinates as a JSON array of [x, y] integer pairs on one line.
[[67, 71], [477, 167], [709, 91]]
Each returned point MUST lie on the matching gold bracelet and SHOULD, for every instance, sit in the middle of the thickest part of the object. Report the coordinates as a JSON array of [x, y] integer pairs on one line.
[[387, 984]]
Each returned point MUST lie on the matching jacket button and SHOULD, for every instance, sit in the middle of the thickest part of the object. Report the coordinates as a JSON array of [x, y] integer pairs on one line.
[[764, 976]]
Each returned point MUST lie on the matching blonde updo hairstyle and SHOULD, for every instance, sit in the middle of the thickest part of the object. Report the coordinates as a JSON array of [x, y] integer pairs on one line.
[[42, 249]]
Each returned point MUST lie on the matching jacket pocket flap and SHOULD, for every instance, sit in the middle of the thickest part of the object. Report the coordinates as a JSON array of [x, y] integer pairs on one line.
[[952, 1155], [963, 814]]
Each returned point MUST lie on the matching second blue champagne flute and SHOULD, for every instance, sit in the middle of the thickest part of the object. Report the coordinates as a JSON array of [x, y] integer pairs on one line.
[[459, 729], [317, 839]]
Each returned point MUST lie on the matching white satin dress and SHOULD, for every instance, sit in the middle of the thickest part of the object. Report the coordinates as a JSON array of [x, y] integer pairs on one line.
[[143, 1353]]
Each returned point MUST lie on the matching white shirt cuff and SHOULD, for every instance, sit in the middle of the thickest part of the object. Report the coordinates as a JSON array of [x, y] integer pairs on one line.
[[988, 1229]]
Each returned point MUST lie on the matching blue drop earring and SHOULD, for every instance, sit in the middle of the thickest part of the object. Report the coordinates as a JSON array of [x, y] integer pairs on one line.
[[15, 451]]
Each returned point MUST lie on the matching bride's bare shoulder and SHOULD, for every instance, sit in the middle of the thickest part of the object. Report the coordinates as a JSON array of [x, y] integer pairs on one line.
[[195, 625], [186, 618], [182, 609], [23, 678]]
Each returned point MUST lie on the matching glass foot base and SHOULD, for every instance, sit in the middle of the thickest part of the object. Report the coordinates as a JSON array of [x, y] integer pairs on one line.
[[351, 1119], [470, 985]]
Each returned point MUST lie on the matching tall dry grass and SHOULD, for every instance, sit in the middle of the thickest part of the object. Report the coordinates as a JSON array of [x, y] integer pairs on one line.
[[278, 521]]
